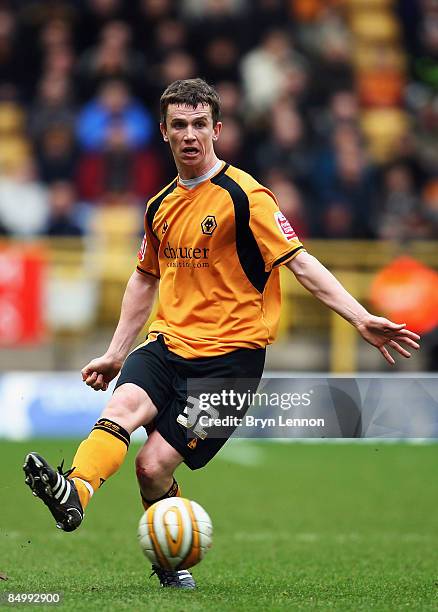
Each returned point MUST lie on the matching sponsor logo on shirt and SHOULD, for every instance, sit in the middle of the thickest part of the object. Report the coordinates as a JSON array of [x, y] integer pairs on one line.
[[142, 251], [186, 256], [284, 226]]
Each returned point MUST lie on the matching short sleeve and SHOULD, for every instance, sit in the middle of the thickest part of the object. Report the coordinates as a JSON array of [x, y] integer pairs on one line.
[[147, 256], [276, 239]]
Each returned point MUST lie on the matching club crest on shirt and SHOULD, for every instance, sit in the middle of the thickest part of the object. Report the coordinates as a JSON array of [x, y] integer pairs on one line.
[[142, 251], [209, 225], [284, 226]]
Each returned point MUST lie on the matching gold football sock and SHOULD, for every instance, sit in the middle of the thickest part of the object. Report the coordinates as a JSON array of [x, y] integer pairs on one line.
[[98, 457], [174, 491]]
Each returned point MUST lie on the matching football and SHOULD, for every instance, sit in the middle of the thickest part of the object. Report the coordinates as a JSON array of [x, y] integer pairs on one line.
[[175, 533]]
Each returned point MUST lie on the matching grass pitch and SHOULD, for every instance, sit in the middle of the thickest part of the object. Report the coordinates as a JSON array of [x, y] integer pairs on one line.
[[317, 526]]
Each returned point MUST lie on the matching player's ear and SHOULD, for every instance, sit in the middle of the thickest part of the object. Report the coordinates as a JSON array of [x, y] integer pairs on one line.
[[217, 130], [163, 131]]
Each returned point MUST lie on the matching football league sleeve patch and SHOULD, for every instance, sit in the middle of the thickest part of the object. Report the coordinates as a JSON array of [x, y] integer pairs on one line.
[[275, 236]]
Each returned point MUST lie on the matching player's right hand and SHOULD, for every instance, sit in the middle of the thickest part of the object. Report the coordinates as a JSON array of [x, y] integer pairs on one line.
[[100, 372]]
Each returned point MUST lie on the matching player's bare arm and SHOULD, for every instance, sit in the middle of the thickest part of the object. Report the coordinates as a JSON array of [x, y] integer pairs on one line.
[[136, 307], [378, 331]]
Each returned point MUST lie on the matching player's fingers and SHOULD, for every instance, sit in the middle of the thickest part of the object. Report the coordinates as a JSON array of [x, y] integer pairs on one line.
[[85, 372], [389, 326], [99, 382], [408, 341], [409, 334], [396, 346], [91, 379], [386, 355]]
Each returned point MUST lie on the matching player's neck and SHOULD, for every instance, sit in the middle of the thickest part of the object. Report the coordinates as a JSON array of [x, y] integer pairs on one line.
[[191, 172]]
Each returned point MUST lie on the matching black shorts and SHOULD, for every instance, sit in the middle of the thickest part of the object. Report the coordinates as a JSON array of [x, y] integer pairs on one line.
[[164, 375]]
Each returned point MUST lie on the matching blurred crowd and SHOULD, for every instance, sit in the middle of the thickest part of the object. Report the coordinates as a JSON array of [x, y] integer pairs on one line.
[[80, 82]]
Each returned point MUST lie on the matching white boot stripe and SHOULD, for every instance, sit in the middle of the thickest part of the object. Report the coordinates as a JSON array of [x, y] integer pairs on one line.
[[58, 483], [60, 491], [36, 460], [67, 493]]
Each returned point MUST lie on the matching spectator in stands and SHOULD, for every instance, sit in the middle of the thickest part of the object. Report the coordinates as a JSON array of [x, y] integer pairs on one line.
[[55, 34], [426, 136], [332, 66], [56, 154], [113, 106], [94, 15], [169, 35], [12, 65], [399, 215], [23, 202], [154, 11], [337, 220], [212, 9], [61, 220], [264, 70], [430, 209], [427, 55], [177, 65], [211, 18], [267, 15], [343, 176], [59, 63], [221, 59], [53, 106], [148, 17], [286, 145], [290, 202], [231, 146], [119, 173], [231, 98], [112, 58], [343, 108]]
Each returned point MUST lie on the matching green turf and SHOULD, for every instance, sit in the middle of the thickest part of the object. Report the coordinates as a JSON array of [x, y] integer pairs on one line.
[[338, 526]]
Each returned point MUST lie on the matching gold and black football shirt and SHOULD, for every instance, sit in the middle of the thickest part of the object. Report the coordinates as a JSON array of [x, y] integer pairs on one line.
[[216, 249]]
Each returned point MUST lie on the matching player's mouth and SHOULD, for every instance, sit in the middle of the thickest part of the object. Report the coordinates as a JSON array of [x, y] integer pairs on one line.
[[190, 151]]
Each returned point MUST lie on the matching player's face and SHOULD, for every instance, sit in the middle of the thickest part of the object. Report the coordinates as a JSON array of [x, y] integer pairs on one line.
[[191, 134]]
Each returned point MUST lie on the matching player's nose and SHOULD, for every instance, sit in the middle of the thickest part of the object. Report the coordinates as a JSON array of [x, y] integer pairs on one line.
[[189, 134]]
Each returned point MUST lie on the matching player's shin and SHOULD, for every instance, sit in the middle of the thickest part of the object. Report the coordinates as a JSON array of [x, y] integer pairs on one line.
[[98, 457], [173, 491]]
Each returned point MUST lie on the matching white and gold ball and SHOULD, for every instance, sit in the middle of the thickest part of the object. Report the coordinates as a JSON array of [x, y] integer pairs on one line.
[[175, 533]]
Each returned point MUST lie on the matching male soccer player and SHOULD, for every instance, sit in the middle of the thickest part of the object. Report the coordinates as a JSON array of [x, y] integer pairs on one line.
[[214, 241]]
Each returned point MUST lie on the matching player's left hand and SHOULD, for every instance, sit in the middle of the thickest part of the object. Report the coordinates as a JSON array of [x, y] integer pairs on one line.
[[383, 333]]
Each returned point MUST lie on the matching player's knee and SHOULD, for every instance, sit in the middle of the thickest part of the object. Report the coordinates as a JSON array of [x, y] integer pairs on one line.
[[151, 471]]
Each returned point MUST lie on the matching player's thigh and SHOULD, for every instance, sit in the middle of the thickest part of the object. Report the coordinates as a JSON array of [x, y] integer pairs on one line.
[[157, 457], [143, 388], [238, 371], [130, 406]]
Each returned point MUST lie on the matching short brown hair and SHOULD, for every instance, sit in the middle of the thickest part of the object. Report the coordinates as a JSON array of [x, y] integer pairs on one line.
[[192, 92]]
